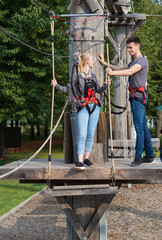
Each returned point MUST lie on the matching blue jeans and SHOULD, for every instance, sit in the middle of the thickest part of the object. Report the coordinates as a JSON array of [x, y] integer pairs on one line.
[[86, 128], [143, 139]]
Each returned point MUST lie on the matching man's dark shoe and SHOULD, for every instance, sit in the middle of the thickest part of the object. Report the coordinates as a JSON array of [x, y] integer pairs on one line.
[[87, 163], [137, 162], [79, 166], [148, 160]]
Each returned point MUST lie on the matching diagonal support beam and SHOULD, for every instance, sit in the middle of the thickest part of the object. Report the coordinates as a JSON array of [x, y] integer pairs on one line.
[[113, 42], [98, 214], [93, 221], [131, 33], [71, 216]]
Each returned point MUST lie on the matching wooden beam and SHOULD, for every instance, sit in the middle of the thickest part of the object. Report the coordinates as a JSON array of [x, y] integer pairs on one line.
[[78, 187], [111, 8], [81, 190], [93, 5], [73, 5], [132, 143], [37, 169], [118, 3], [71, 216], [119, 9], [98, 214], [130, 34], [113, 42], [128, 16]]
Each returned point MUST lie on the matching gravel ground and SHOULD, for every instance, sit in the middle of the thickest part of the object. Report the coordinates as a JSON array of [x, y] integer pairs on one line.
[[134, 214]]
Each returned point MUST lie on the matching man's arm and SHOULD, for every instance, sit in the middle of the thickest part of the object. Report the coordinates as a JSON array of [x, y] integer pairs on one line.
[[118, 68], [125, 72], [113, 67]]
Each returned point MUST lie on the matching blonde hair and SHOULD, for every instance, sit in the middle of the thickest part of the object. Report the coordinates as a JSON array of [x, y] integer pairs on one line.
[[82, 61]]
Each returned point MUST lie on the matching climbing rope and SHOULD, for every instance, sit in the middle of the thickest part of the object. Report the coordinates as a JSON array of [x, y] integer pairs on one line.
[[52, 105], [46, 141], [110, 118]]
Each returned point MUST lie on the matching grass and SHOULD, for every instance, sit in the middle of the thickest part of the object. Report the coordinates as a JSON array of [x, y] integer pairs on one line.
[[56, 153], [12, 193]]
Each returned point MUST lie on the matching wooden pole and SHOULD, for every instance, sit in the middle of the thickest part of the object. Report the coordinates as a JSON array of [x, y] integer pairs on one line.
[[89, 39], [120, 83]]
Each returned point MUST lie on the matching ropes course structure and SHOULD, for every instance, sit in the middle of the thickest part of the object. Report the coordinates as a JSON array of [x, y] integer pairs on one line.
[[53, 16], [52, 130], [85, 196]]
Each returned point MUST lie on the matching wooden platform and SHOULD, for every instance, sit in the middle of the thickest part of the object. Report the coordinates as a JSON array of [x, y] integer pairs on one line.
[[37, 170]]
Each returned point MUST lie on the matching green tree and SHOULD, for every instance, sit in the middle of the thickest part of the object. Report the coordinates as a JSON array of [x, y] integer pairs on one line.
[[25, 75], [151, 48]]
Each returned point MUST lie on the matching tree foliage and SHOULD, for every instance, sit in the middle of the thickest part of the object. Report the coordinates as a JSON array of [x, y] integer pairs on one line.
[[25, 75], [150, 36]]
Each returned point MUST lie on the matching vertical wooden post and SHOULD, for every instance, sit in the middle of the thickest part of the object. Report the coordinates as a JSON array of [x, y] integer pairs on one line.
[[84, 208], [120, 84], [90, 37], [67, 139]]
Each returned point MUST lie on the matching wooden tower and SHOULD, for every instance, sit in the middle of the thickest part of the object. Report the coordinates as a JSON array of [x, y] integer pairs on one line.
[[90, 38]]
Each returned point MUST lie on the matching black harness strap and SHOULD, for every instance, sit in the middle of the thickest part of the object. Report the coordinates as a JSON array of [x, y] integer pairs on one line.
[[116, 106], [88, 108]]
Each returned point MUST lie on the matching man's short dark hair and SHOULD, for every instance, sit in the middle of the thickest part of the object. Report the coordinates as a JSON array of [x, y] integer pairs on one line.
[[135, 40]]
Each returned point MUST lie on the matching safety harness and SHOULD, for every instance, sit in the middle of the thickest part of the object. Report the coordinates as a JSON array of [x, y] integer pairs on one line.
[[89, 93], [143, 90], [90, 98]]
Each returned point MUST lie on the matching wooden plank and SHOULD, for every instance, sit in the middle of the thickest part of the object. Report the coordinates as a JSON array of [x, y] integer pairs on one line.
[[81, 192], [73, 5], [129, 16], [119, 3], [72, 187], [37, 170], [132, 143], [111, 8], [119, 9]]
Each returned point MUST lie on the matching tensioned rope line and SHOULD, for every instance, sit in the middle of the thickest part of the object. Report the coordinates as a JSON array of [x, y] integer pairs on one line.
[[53, 130], [85, 20], [27, 45], [41, 6], [110, 118]]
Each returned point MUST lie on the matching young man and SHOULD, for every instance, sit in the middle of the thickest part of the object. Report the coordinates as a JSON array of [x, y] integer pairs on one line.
[[137, 70]]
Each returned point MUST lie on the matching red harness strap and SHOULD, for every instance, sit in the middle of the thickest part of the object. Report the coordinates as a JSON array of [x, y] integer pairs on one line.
[[140, 89], [89, 98]]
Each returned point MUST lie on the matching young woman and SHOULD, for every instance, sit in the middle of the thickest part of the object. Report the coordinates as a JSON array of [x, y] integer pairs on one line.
[[88, 106]]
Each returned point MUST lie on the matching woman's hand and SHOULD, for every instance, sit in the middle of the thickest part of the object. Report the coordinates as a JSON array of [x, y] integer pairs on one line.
[[54, 82], [101, 58], [109, 82]]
